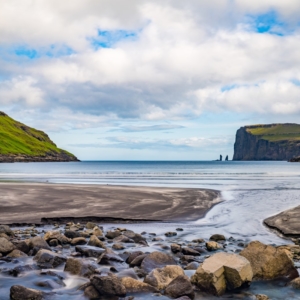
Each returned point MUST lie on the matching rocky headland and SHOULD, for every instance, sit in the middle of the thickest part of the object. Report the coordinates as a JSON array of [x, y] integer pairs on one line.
[[268, 142], [21, 143]]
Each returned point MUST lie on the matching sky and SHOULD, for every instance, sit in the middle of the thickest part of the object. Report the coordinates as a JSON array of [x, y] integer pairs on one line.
[[149, 80]]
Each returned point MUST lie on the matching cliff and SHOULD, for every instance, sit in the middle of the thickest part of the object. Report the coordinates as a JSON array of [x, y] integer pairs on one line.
[[267, 142], [21, 143]]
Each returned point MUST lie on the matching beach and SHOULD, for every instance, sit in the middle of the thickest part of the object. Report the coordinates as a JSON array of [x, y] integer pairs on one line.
[[31, 202]]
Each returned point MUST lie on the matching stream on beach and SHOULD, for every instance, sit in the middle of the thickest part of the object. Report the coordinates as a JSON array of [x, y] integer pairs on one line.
[[251, 192]]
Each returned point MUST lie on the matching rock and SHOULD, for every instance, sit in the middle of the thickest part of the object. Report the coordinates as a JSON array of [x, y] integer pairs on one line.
[[109, 285], [79, 267], [118, 246], [136, 286], [137, 238], [127, 273], [53, 243], [180, 286], [56, 235], [22, 269], [90, 251], [47, 259], [170, 234], [90, 225], [38, 243], [133, 255], [192, 266], [97, 231], [261, 297], [295, 283], [268, 262], [17, 253], [213, 246], [72, 234], [91, 292], [109, 259], [160, 278], [6, 230], [18, 292], [113, 234], [123, 239], [22, 246], [157, 260], [175, 248], [94, 241], [6, 246], [138, 260], [190, 251], [217, 237], [3, 235], [183, 298], [223, 271], [78, 241]]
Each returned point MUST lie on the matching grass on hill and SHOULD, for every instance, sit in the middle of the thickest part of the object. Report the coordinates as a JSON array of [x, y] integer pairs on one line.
[[276, 132], [17, 138]]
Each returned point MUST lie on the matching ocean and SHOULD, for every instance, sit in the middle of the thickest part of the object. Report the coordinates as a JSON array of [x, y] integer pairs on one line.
[[251, 191]]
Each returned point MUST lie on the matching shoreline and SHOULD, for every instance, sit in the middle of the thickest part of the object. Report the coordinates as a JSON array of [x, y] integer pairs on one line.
[[39, 203]]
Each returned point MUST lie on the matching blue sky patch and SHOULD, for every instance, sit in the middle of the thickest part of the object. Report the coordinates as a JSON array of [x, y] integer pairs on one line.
[[108, 38]]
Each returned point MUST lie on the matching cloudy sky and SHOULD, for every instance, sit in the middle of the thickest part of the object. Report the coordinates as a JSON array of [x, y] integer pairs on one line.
[[159, 79]]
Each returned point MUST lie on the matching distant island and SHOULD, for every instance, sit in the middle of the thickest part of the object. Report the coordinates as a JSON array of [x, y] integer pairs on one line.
[[21, 143], [268, 142]]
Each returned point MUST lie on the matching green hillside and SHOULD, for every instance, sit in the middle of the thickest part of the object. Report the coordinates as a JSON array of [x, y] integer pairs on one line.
[[19, 139], [276, 132]]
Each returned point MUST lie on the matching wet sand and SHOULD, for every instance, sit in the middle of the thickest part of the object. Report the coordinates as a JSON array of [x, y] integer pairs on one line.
[[30, 202]]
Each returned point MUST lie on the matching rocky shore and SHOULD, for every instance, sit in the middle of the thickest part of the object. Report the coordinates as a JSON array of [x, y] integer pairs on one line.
[[96, 261], [49, 157]]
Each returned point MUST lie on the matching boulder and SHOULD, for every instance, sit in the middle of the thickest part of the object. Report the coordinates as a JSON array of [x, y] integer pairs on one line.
[[97, 231], [90, 251], [192, 266], [90, 225], [6, 246], [136, 286], [118, 246], [123, 239], [109, 285], [113, 234], [91, 293], [223, 271], [18, 292], [160, 278], [38, 243], [109, 259], [138, 260], [133, 255], [295, 283], [17, 253], [213, 246], [56, 235], [71, 234], [94, 241], [157, 260], [170, 234], [137, 238], [22, 246], [217, 237], [78, 241], [269, 262], [47, 259], [179, 287], [190, 251], [79, 267], [261, 297], [175, 248], [6, 230]]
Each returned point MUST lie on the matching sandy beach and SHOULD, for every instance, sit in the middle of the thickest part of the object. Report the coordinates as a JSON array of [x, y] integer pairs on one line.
[[30, 202]]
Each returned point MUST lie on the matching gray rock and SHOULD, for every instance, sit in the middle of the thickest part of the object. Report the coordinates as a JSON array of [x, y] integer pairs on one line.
[[180, 286], [17, 253], [133, 255], [72, 234], [217, 237], [90, 251], [123, 239], [91, 293], [138, 260], [192, 266], [22, 246], [109, 258], [137, 238], [38, 243], [6, 246], [79, 267], [113, 234], [18, 292], [56, 235], [47, 259], [190, 251], [157, 260], [109, 285], [170, 234], [5, 229]]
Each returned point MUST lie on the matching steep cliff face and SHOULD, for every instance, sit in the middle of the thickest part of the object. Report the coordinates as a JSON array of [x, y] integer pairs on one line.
[[21, 143], [267, 142]]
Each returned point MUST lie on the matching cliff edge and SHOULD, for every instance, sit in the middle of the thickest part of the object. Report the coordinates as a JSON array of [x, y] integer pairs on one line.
[[21, 143], [267, 142]]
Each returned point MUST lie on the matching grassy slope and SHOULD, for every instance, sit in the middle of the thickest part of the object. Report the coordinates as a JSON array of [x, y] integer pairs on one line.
[[277, 132], [17, 138]]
